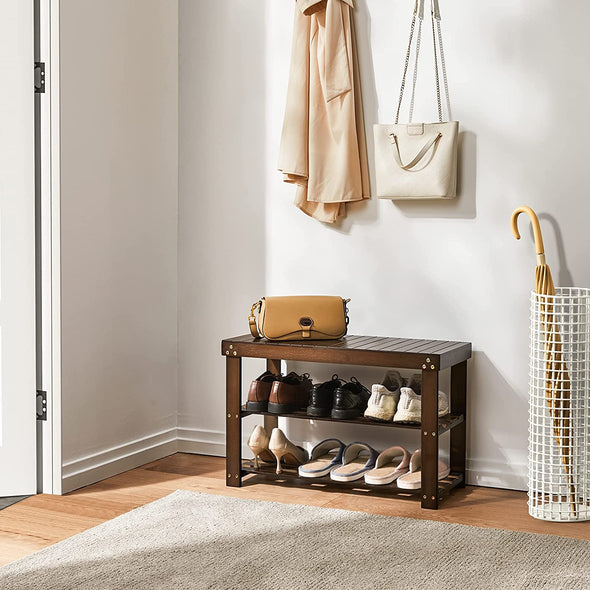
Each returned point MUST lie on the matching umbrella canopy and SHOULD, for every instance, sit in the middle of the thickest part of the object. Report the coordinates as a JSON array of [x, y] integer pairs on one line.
[[557, 381]]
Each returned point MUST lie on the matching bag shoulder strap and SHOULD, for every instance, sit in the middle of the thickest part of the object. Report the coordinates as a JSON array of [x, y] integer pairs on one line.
[[418, 14], [436, 18], [252, 320]]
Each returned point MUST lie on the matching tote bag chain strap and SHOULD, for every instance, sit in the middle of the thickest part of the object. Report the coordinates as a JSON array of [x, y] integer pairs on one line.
[[415, 77], [437, 41], [408, 53], [442, 57]]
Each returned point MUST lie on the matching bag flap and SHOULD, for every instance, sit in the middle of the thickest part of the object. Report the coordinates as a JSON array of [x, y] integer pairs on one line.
[[281, 316]]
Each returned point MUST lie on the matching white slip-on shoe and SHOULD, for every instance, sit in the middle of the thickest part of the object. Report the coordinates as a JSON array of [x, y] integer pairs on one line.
[[382, 404], [390, 465], [409, 407], [413, 479]]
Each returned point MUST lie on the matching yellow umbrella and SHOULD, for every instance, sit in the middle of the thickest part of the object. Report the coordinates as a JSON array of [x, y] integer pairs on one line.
[[557, 381]]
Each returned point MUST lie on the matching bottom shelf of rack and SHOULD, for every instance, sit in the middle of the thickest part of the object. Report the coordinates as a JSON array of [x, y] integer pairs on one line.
[[290, 475]]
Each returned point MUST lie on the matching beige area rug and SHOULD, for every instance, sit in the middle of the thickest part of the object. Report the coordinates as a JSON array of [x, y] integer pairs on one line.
[[191, 541]]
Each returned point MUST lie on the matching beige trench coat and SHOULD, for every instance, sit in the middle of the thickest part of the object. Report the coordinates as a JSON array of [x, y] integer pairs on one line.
[[323, 149]]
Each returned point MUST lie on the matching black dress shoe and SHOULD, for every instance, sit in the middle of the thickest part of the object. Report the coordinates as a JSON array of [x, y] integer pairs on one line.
[[350, 400], [321, 397]]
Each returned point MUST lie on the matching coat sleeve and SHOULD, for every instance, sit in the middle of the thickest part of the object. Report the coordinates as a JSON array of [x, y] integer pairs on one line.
[[293, 152]]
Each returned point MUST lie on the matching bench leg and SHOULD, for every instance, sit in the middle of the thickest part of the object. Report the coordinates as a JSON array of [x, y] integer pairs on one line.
[[459, 406], [270, 422], [429, 436], [233, 431]]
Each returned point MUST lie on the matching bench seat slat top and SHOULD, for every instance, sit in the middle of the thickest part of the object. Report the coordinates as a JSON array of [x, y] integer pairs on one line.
[[407, 351]]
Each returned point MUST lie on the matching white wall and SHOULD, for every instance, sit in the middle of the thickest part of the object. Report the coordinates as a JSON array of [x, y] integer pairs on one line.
[[447, 270], [119, 193], [222, 217]]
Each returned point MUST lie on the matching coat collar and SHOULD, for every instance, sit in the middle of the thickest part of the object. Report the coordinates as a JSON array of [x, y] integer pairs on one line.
[[308, 7]]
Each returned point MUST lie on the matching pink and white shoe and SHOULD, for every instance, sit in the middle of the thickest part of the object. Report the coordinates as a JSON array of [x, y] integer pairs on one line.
[[413, 479], [391, 464]]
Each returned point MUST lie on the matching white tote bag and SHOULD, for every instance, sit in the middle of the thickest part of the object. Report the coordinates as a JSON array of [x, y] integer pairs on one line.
[[419, 160]]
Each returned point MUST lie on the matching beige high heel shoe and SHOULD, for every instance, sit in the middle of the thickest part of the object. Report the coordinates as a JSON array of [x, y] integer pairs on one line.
[[258, 443], [282, 448]]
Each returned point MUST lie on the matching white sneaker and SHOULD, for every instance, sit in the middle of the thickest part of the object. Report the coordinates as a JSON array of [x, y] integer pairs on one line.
[[409, 407], [384, 397], [415, 383], [393, 380], [382, 403], [443, 404]]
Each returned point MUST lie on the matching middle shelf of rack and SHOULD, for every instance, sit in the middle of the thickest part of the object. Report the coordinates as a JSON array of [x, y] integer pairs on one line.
[[445, 423]]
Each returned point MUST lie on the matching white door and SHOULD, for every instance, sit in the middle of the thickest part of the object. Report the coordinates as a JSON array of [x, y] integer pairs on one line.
[[17, 250]]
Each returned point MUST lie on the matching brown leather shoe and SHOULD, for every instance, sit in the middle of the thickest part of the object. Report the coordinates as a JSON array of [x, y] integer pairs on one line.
[[259, 392], [290, 394]]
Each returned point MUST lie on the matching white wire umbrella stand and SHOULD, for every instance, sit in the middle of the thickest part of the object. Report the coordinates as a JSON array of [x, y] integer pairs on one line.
[[559, 415]]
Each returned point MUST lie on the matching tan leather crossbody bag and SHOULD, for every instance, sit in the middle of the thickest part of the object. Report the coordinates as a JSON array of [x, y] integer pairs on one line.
[[307, 317]]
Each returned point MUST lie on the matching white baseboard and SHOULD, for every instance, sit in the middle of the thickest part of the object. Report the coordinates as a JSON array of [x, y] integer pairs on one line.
[[201, 442], [207, 442], [98, 466], [495, 474]]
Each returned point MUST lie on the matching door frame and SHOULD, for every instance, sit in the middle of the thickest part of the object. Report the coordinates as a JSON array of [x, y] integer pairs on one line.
[[49, 431]]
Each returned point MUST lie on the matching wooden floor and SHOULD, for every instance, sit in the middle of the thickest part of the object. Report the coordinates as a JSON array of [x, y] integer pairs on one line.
[[42, 520]]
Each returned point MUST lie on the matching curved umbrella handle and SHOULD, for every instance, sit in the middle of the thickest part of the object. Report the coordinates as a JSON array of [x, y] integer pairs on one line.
[[536, 227]]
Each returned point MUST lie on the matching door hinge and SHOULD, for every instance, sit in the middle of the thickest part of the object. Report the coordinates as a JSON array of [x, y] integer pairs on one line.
[[39, 77], [41, 405]]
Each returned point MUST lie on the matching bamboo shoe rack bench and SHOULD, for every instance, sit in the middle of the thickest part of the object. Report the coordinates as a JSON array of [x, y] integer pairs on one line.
[[429, 356]]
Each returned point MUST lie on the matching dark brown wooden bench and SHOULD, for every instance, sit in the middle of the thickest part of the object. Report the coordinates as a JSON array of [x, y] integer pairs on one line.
[[428, 356]]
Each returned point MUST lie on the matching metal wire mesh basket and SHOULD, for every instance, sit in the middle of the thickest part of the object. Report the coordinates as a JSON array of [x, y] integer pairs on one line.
[[559, 415]]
